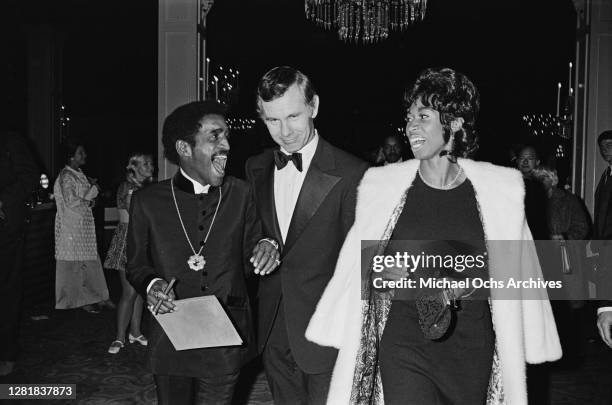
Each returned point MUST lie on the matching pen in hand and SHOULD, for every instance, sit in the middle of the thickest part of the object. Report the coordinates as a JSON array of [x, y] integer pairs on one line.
[[166, 292]]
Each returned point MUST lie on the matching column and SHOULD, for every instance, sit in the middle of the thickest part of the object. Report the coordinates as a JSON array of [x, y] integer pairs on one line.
[[179, 52]]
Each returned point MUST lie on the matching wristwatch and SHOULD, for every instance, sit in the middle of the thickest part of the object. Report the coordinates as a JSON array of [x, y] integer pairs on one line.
[[270, 241]]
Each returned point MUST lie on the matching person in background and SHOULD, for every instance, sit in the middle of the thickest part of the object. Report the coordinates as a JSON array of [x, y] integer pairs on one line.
[[393, 150], [18, 178], [602, 240], [565, 260], [566, 217], [80, 281], [535, 194], [129, 311], [527, 160]]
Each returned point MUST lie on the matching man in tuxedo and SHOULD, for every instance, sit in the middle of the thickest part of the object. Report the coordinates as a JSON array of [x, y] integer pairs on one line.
[[201, 228], [18, 178], [602, 238], [305, 192]]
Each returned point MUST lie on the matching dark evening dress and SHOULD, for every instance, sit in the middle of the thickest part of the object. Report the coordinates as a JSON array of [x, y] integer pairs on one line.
[[456, 368]]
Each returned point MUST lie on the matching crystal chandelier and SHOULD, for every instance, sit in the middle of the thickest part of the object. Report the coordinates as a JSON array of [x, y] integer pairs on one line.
[[365, 21]]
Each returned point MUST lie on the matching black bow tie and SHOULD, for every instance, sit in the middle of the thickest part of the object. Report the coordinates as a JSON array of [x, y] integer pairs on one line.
[[281, 159]]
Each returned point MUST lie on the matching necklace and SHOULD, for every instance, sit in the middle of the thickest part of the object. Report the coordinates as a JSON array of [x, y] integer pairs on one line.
[[444, 186], [196, 261]]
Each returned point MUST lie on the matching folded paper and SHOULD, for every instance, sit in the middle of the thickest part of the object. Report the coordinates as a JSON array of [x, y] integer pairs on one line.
[[197, 323]]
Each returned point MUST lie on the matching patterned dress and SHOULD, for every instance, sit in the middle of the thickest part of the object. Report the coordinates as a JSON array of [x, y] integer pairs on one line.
[[116, 255], [79, 275]]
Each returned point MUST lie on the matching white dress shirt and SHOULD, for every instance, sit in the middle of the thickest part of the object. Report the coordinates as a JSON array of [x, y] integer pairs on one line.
[[288, 183]]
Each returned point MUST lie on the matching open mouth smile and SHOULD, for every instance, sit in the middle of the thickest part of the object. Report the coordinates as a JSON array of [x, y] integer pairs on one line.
[[416, 142], [218, 164]]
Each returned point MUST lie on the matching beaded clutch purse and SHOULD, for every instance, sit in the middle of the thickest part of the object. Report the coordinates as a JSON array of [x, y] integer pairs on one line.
[[435, 313]]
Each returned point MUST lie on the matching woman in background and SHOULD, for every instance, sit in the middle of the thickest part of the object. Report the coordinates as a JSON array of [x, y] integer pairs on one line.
[[80, 279], [139, 173], [567, 219], [565, 260]]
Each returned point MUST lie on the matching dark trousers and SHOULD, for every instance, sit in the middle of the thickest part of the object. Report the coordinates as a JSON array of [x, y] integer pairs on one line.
[[179, 390], [11, 289], [452, 370], [288, 383]]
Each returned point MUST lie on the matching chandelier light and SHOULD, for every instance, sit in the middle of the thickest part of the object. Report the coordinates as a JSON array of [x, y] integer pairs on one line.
[[365, 21]]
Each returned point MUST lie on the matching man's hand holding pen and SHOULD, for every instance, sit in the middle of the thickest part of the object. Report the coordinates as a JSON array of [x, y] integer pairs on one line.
[[161, 296]]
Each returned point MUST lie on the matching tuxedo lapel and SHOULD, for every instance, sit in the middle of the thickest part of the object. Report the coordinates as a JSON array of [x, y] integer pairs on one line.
[[264, 186], [317, 185], [601, 207], [597, 203]]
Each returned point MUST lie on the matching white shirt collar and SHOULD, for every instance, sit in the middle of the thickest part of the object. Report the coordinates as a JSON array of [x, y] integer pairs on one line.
[[307, 151], [197, 187]]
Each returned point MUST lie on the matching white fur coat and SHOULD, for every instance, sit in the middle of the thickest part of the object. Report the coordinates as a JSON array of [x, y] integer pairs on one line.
[[525, 329]]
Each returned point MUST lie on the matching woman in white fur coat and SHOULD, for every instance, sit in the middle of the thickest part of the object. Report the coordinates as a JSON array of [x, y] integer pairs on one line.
[[383, 357]]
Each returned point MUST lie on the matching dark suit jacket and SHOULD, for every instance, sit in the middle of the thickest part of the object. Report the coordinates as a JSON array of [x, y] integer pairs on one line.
[[324, 213], [602, 238], [603, 208], [157, 247], [536, 201]]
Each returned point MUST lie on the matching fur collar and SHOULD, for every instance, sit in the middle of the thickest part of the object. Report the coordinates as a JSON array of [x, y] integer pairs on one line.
[[382, 188]]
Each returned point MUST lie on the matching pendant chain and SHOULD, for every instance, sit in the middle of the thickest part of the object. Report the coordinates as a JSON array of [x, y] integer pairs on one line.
[[183, 225], [445, 186]]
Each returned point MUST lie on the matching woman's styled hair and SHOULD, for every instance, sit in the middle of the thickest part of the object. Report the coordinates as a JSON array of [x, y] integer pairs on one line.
[[134, 160], [453, 96], [544, 172]]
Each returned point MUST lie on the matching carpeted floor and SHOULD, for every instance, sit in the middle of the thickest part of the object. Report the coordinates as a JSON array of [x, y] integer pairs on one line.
[[70, 347]]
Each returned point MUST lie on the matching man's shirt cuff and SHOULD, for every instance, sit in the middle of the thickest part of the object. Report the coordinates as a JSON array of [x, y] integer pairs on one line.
[[603, 309], [155, 279]]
